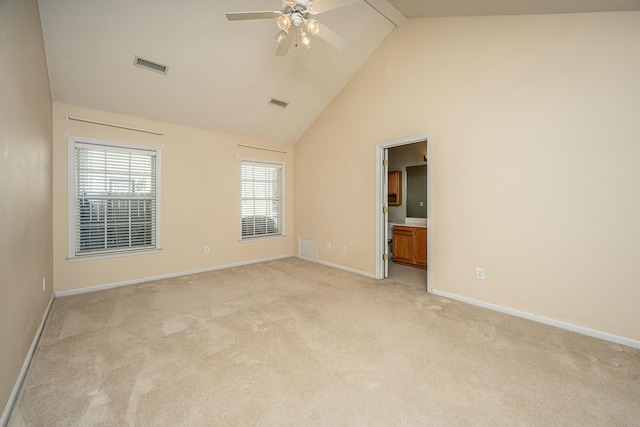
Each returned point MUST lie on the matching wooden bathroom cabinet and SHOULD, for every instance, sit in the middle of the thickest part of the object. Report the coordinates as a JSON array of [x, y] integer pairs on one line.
[[410, 245]]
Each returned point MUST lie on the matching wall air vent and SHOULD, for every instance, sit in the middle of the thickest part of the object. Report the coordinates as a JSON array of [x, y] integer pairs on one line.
[[278, 103], [150, 65]]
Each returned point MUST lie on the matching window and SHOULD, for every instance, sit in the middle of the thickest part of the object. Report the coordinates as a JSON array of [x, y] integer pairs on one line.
[[261, 199], [113, 206]]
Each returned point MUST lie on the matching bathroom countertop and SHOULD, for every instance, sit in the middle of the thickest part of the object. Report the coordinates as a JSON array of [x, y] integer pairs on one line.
[[415, 223]]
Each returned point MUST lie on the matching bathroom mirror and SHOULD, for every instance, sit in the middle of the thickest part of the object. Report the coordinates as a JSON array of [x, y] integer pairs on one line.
[[417, 191]]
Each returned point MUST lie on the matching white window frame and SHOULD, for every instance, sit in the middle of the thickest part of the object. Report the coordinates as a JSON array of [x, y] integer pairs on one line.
[[72, 199], [280, 235]]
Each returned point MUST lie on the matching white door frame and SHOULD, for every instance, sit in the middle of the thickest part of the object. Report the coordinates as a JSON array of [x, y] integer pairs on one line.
[[385, 212], [381, 225]]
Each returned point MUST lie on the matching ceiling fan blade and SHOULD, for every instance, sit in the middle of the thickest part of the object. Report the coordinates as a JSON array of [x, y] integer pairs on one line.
[[328, 35], [283, 46], [320, 6], [242, 16]]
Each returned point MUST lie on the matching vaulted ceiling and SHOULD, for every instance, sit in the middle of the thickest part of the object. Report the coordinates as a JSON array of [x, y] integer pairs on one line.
[[222, 74]]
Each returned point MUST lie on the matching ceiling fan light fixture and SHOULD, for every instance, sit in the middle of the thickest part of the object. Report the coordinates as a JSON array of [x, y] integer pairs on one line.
[[281, 36], [313, 27], [305, 40], [284, 22], [290, 3]]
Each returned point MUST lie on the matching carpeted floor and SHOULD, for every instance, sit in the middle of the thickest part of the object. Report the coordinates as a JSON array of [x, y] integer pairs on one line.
[[291, 342]]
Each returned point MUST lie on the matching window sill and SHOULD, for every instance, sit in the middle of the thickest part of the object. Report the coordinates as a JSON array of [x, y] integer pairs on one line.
[[94, 257], [261, 238]]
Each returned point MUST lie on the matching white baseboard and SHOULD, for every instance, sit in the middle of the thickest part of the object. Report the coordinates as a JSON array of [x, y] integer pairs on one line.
[[25, 367], [540, 319], [165, 276], [350, 270]]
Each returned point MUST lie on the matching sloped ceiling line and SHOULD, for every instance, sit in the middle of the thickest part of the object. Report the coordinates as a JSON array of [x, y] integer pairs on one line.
[[385, 9]]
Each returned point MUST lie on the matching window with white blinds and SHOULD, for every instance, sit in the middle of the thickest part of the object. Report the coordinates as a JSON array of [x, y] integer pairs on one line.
[[116, 199], [261, 199]]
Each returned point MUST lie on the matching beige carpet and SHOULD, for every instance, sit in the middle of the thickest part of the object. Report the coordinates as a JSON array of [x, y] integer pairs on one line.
[[290, 342]]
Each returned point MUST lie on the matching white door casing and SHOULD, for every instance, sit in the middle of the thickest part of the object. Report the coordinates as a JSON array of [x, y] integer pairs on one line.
[[382, 229]]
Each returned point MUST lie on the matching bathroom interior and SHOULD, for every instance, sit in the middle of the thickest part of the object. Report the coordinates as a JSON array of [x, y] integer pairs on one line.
[[408, 223]]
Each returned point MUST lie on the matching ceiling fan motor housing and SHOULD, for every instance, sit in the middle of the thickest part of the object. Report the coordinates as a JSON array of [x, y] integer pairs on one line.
[[297, 19], [296, 3], [298, 6]]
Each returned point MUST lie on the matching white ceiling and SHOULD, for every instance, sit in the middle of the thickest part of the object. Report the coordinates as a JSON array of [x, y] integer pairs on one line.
[[222, 74]]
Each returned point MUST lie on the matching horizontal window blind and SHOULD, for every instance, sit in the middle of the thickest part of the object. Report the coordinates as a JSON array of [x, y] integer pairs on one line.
[[262, 199], [116, 200]]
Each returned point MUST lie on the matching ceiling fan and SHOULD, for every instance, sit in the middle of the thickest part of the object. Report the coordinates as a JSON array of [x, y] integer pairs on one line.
[[297, 15]]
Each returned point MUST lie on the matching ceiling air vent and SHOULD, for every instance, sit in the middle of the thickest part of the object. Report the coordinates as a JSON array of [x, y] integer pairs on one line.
[[150, 65], [278, 103]]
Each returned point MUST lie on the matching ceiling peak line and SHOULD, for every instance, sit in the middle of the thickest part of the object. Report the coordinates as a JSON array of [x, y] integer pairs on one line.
[[390, 13]]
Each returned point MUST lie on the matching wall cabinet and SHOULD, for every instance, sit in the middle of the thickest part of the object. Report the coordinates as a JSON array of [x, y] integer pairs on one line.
[[410, 245], [395, 188]]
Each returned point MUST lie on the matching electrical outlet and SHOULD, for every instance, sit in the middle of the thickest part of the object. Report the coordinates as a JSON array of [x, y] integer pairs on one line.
[[207, 249], [44, 284], [329, 246], [344, 249], [480, 273]]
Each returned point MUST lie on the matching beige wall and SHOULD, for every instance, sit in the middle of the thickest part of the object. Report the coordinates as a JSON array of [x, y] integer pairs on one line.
[[535, 162], [25, 186], [199, 199]]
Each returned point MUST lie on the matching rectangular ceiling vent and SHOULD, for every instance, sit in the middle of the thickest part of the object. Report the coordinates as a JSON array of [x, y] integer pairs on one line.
[[150, 65], [278, 103]]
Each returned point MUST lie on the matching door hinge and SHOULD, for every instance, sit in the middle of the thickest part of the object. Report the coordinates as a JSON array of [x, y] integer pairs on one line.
[[385, 257], [385, 210], [385, 163]]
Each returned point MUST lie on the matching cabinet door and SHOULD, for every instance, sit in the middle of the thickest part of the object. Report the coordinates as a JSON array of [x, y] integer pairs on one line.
[[395, 188], [420, 246], [403, 244]]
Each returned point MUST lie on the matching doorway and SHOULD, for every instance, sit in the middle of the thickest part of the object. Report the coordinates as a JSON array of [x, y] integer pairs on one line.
[[410, 159]]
